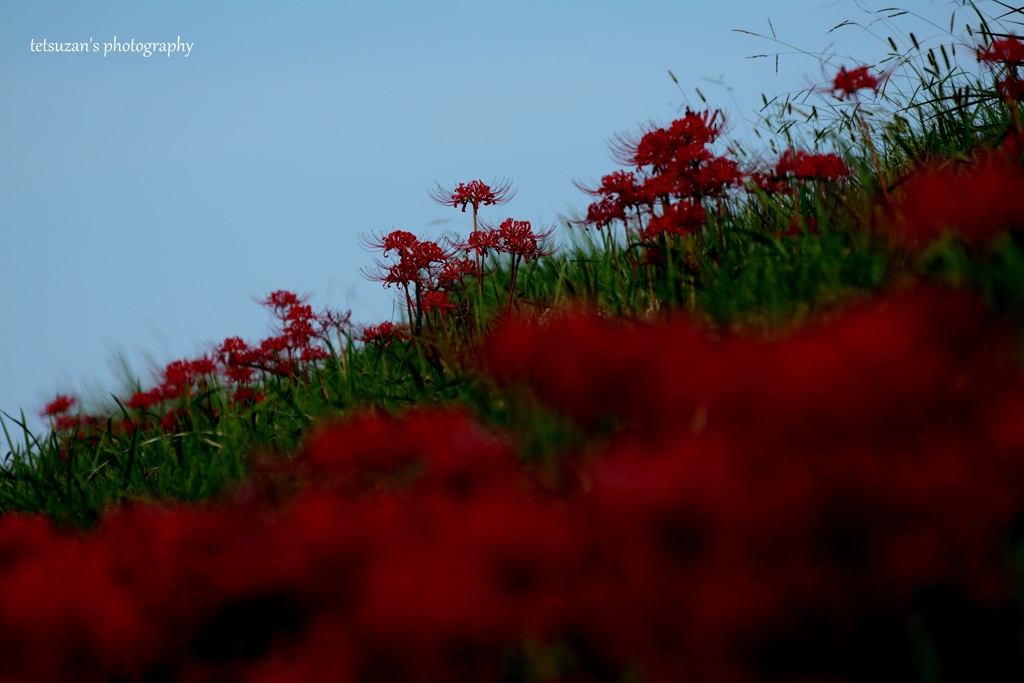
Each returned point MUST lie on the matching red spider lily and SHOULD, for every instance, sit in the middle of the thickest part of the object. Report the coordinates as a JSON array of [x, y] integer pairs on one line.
[[172, 419], [682, 144], [143, 399], [416, 260], [848, 83], [202, 366], [247, 395], [233, 361], [298, 326], [61, 404], [974, 200], [796, 168], [177, 380], [618, 193], [476, 193], [453, 271], [619, 183], [519, 239], [801, 165], [274, 345], [284, 367], [460, 457], [768, 183], [181, 376], [396, 240], [606, 211], [330, 319], [231, 348], [382, 335], [436, 301], [67, 423], [298, 330], [1011, 88], [238, 364], [281, 299], [681, 218], [423, 266], [482, 241], [618, 188], [403, 273], [309, 354], [426, 253], [1008, 51]]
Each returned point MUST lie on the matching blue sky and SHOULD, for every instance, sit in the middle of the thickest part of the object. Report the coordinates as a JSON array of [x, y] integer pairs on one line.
[[146, 203]]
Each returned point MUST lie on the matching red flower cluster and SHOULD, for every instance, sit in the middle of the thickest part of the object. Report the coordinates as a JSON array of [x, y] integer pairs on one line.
[[673, 165], [975, 200], [432, 277], [847, 83], [425, 271], [1009, 52], [794, 169], [58, 410], [297, 340], [512, 237], [414, 257], [234, 363], [509, 237], [382, 335]]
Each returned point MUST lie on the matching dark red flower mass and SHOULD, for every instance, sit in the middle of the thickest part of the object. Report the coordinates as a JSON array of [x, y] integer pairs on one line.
[[974, 200]]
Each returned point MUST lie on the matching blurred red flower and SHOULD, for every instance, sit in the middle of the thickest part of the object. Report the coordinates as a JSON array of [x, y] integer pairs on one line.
[[848, 83], [61, 404], [975, 200]]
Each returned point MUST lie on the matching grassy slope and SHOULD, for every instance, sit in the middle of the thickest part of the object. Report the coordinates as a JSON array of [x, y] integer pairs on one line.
[[738, 273]]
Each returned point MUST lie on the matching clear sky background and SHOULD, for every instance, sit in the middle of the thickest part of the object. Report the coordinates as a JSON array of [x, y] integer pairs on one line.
[[146, 203]]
